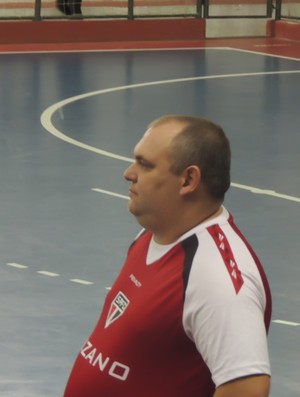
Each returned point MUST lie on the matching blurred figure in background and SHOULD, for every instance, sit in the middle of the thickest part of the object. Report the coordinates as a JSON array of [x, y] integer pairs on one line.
[[70, 7]]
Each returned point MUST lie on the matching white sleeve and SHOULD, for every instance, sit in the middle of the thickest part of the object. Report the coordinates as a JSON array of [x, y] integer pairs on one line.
[[227, 327]]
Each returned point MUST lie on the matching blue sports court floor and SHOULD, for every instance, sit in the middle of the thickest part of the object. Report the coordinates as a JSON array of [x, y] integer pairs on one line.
[[68, 125]]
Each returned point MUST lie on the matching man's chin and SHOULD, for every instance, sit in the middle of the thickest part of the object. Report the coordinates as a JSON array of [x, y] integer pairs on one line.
[[132, 208], [136, 213]]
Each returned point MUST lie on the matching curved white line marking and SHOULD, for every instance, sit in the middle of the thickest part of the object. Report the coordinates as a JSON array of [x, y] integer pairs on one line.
[[48, 113]]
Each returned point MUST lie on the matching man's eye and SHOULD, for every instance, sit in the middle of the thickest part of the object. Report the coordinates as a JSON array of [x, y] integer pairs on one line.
[[144, 165]]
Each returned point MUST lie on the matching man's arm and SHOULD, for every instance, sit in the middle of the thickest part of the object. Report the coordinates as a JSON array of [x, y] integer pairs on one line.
[[252, 386]]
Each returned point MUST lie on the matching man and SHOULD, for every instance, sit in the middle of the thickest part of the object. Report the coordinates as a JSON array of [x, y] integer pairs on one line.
[[70, 7], [189, 313]]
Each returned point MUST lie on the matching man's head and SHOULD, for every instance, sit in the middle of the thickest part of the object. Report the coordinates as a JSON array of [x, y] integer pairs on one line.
[[180, 173], [204, 144]]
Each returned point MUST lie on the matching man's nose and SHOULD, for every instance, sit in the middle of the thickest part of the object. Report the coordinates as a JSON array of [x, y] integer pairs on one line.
[[130, 174]]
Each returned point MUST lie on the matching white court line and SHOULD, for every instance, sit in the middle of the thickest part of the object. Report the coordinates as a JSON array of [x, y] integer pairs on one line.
[[283, 322], [155, 49], [80, 281], [264, 53], [46, 119], [46, 273], [48, 113], [86, 282], [113, 50], [16, 265], [110, 193], [250, 188], [266, 192]]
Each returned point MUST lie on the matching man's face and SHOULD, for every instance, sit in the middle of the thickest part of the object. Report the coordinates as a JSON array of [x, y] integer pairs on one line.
[[154, 189]]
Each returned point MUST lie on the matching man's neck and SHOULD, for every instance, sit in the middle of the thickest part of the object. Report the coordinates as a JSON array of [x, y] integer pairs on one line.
[[175, 231]]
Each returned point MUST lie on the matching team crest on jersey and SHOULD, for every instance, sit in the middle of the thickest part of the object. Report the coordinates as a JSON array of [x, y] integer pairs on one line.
[[117, 308]]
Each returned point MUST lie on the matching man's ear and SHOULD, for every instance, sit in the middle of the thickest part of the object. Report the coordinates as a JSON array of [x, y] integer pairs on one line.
[[191, 178]]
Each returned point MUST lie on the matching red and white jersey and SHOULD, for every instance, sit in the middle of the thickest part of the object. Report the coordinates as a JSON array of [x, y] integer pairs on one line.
[[180, 320]]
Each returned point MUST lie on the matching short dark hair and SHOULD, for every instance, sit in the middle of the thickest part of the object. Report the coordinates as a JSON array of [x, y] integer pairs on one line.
[[204, 144]]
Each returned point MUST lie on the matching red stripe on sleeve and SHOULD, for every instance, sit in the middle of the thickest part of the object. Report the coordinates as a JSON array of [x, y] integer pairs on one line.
[[228, 258]]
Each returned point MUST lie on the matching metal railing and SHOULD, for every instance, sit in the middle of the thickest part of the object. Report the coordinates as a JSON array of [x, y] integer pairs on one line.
[[277, 9], [256, 10], [288, 9]]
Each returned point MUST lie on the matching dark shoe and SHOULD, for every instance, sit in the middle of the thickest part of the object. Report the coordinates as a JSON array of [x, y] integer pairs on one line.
[[76, 16]]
